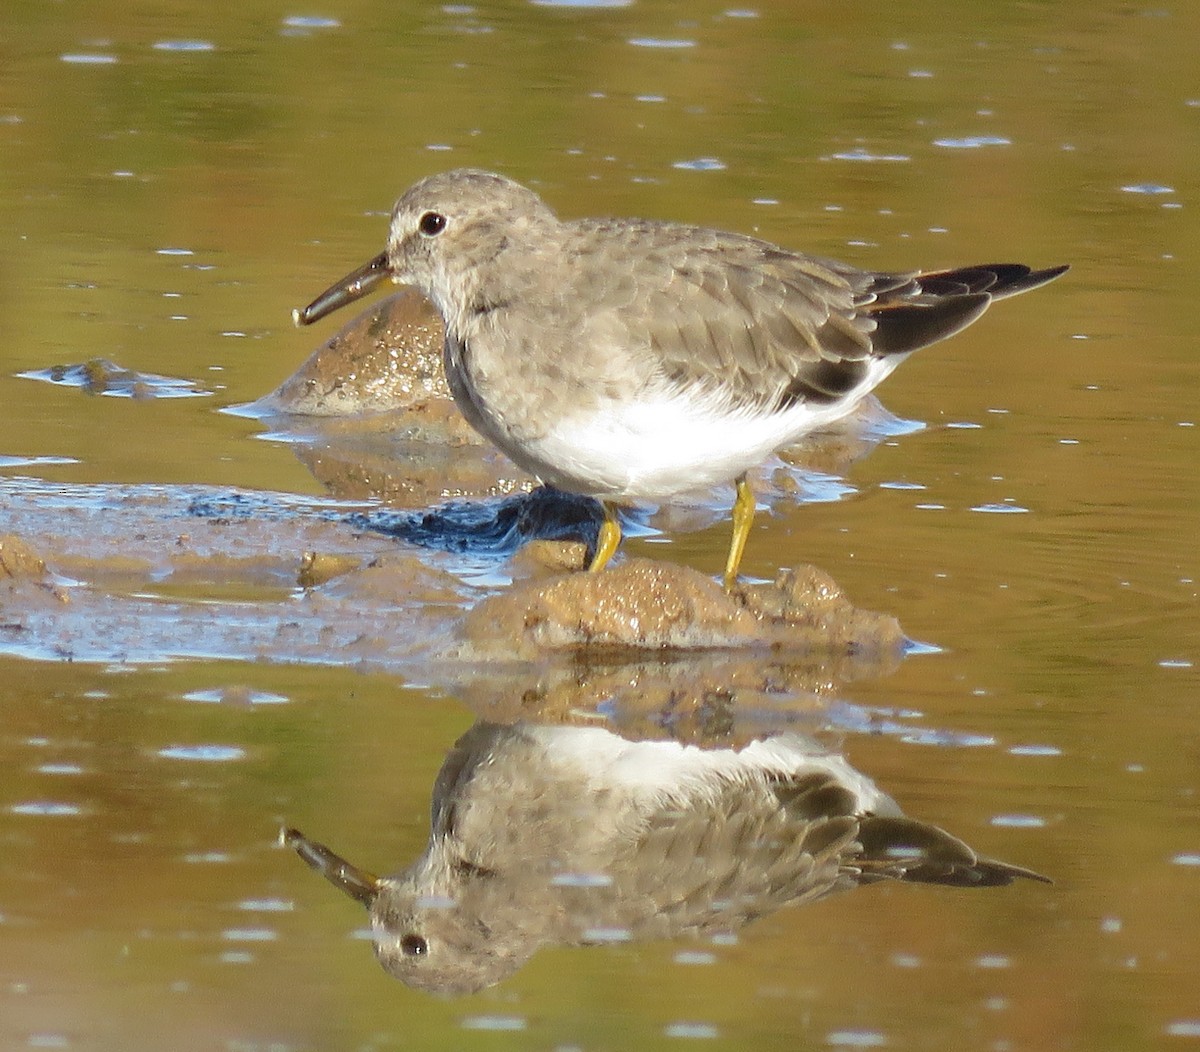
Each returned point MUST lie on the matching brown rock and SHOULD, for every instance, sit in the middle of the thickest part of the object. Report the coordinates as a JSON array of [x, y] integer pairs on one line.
[[389, 357], [644, 605], [18, 560]]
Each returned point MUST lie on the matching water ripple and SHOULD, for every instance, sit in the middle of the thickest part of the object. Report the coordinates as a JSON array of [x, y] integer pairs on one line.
[[972, 142], [203, 753]]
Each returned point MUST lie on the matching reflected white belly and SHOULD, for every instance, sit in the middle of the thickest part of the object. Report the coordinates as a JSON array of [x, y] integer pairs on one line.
[[664, 770]]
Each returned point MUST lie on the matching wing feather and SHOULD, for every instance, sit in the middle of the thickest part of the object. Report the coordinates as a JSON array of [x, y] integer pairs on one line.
[[753, 325]]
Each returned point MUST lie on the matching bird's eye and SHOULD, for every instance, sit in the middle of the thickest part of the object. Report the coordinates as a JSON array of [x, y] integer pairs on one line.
[[414, 946], [431, 224]]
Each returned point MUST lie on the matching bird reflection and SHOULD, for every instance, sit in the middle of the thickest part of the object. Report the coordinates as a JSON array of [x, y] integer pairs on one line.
[[570, 835]]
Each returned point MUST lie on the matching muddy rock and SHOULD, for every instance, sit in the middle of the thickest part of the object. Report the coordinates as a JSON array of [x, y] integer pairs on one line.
[[660, 650], [18, 559], [541, 558], [645, 605], [389, 357], [806, 604], [395, 581]]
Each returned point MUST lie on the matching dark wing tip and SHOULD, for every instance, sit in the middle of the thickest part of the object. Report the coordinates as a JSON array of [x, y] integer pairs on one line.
[[910, 326], [998, 280], [936, 305]]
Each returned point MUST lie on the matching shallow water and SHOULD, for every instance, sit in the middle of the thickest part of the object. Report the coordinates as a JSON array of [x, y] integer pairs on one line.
[[172, 185]]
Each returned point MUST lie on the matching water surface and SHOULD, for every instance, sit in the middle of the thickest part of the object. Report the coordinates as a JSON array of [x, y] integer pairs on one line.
[[173, 184]]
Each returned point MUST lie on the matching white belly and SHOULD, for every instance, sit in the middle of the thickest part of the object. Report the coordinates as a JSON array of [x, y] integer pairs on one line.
[[651, 450]]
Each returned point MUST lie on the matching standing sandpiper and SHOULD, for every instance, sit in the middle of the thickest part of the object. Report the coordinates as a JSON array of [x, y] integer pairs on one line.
[[633, 360]]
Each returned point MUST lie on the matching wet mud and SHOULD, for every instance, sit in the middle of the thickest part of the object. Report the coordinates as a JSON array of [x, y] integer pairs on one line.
[[136, 574]]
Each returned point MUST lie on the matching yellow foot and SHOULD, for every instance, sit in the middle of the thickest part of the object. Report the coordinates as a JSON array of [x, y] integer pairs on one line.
[[743, 519], [607, 539]]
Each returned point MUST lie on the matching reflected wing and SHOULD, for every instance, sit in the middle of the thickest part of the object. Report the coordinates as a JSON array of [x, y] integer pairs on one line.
[[741, 853], [752, 848]]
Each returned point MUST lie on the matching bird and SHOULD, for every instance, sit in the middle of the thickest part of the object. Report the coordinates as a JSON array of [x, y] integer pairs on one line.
[[631, 360], [547, 834]]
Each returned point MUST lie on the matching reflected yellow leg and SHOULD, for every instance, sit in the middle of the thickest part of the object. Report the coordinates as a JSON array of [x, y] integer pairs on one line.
[[607, 539], [743, 518]]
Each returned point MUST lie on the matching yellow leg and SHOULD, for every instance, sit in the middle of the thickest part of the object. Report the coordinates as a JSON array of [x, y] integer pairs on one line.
[[607, 539], [743, 518]]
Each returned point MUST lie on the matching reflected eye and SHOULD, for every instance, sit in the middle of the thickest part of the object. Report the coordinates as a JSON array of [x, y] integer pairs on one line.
[[414, 946], [431, 224]]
